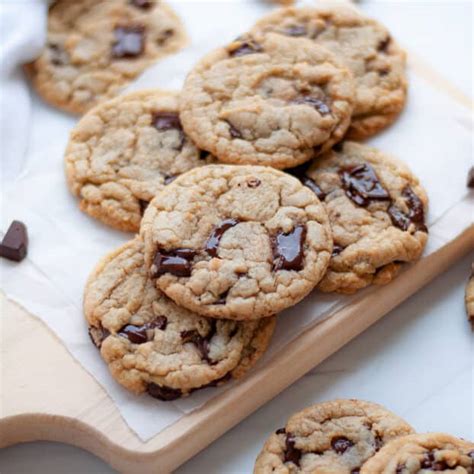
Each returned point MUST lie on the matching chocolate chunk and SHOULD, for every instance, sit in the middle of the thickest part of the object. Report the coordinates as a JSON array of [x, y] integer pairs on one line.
[[143, 206], [338, 147], [470, 178], [234, 133], [383, 45], [202, 343], [336, 250], [292, 454], [203, 154], [400, 469], [142, 334], [163, 393], [243, 47], [177, 262], [97, 335], [341, 444], [295, 30], [222, 298], [59, 57], [14, 245], [164, 121], [429, 462], [169, 179], [378, 442], [356, 470], [280, 431], [129, 41], [314, 102], [212, 243], [143, 4], [288, 253], [362, 185], [253, 183], [416, 213], [300, 173]]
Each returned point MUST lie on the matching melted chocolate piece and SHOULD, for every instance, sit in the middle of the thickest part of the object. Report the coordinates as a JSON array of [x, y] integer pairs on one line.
[[336, 250], [14, 245], [292, 454], [383, 45], [243, 47], [97, 335], [378, 442], [212, 244], [201, 342], [143, 4], [356, 470], [143, 205], [253, 183], [234, 133], [341, 444], [222, 298], [169, 179], [362, 185], [470, 178], [429, 462], [163, 393], [140, 334], [300, 173], [203, 154], [164, 121], [314, 102], [280, 431], [129, 41], [295, 30], [287, 249], [177, 262], [416, 213], [338, 147]]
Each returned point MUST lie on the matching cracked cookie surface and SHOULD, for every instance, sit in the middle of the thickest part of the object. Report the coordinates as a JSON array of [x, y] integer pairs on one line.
[[94, 49], [423, 453], [152, 345], [469, 297], [332, 437], [236, 242], [376, 209], [366, 48], [125, 151], [267, 100]]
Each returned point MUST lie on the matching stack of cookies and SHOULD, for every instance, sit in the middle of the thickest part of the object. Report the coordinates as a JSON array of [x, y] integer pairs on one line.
[[246, 196]]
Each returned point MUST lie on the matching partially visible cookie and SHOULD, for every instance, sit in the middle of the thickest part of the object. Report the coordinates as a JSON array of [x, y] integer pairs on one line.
[[376, 209], [366, 48], [236, 242], [470, 296], [152, 345], [267, 100], [333, 437], [94, 49], [423, 453], [124, 152]]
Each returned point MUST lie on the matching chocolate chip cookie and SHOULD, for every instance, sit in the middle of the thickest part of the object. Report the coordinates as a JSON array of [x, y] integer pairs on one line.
[[332, 437], [267, 100], [125, 151], [376, 208], [150, 344], [236, 242], [366, 48], [470, 296], [94, 49], [423, 453]]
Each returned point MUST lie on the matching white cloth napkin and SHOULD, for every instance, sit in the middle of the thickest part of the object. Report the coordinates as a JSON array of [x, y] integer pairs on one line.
[[433, 136]]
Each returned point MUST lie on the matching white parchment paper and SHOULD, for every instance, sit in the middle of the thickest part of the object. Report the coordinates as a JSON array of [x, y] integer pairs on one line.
[[433, 135]]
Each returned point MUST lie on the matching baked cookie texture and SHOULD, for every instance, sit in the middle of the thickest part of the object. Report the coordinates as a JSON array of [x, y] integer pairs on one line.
[[236, 242], [125, 151], [152, 345], [470, 296], [331, 437], [94, 49], [267, 100], [376, 209], [423, 453], [365, 47]]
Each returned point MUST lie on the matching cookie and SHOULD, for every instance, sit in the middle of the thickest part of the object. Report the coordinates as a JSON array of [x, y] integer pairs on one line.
[[94, 49], [423, 453], [125, 151], [267, 100], [376, 208], [470, 296], [366, 48], [151, 345], [333, 437], [236, 242]]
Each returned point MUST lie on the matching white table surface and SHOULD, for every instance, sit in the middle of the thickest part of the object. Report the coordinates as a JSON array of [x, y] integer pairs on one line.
[[433, 390]]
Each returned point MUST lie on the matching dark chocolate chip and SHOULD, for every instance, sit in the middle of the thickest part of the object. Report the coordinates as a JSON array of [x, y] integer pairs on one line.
[[362, 185], [177, 262], [300, 173], [201, 342], [59, 57], [383, 45], [140, 334], [470, 178], [292, 454], [163, 393], [234, 132], [253, 183], [378, 442], [356, 470], [398, 217], [212, 243], [169, 179], [338, 146], [143, 4], [143, 206], [314, 102], [295, 30], [400, 469], [129, 41], [336, 250], [341, 444], [222, 298], [280, 431], [164, 121], [416, 212], [430, 462], [243, 47], [288, 252], [98, 335], [14, 245], [203, 154]]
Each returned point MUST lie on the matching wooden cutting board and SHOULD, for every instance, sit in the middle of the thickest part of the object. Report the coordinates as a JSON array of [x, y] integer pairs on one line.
[[45, 394]]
